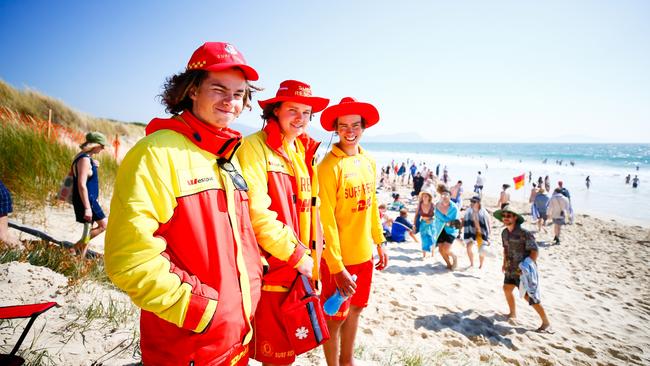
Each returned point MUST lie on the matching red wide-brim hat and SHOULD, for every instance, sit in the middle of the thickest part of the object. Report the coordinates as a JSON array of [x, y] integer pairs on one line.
[[349, 105], [299, 92]]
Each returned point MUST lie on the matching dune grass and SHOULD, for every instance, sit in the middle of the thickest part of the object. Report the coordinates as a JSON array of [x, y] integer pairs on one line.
[[37, 105], [52, 256], [33, 165]]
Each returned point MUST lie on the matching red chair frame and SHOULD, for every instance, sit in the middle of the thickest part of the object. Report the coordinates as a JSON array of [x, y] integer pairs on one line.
[[31, 311]]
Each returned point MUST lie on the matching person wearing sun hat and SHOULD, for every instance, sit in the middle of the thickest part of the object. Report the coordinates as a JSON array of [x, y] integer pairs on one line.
[[179, 241], [424, 220], [518, 245], [85, 190], [278, 163], [351, 223]]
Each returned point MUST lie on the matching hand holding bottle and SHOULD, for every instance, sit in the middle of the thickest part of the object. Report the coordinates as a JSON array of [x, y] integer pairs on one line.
[[334, 302]]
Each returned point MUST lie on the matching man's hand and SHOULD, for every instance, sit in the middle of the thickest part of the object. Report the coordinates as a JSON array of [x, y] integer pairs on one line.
[[383, 258], [344, 282], [306, 266]]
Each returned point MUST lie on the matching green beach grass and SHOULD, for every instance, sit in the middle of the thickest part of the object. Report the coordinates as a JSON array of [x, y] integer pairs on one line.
[[52, 256], [37, 105], [34, 165]]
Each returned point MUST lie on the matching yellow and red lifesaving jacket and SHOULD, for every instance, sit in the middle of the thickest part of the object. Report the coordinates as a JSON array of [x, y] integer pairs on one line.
[[349, 209], [283, 202], [180, 243]]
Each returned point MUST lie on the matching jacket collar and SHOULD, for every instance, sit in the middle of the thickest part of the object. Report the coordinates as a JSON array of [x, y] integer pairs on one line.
[[221, 142], [274, 141]]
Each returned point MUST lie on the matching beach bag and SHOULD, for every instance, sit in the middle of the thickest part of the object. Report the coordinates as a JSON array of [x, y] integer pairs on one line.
[[65, 191], [303, 317]]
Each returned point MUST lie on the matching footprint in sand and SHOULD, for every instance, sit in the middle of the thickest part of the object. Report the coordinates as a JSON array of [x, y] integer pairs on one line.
[[479, 340], [587, 351], [394, 332], [544, 362], [617, 354], [453, 343], [557, 346]]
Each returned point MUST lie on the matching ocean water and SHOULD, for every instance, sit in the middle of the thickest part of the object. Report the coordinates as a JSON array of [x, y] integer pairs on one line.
[[606, 165]]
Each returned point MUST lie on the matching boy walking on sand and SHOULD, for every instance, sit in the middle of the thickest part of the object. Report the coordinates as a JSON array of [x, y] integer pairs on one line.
[[518, 244]]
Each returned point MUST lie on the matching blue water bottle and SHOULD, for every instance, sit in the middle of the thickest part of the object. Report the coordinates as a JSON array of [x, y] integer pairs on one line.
[[334, 302]]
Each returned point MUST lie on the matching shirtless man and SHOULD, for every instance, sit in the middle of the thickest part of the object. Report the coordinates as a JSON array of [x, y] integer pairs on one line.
[[504, 197]]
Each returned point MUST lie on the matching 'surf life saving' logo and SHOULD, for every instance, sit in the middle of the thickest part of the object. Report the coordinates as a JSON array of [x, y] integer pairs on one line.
[[195, 181]]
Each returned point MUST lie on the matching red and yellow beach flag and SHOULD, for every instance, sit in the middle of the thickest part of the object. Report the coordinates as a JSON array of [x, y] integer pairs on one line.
[[519, 180]]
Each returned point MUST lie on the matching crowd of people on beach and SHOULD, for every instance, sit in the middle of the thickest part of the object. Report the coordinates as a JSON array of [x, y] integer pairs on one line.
[[440, 220]]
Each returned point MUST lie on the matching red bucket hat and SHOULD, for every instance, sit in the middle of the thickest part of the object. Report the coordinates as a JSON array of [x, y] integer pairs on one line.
[[217, 56], [349, 105], [299, 92]]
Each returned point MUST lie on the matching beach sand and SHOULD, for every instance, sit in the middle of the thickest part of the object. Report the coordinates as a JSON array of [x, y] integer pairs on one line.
[[593, 286]]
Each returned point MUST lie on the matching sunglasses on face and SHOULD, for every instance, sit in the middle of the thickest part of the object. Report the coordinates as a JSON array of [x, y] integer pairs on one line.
[[237, 179], [507, 216]]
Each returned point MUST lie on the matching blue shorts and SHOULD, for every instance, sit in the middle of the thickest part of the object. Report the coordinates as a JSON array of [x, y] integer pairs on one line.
[[98, 213], [6, 205]]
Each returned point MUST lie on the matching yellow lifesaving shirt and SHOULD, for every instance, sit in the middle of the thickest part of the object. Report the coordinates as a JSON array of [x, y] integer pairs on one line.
[[348, 209]]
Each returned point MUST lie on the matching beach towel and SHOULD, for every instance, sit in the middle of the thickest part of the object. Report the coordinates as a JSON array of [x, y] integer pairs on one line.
[[440, 221], [538, 209], [469, 227], [529, 280], [426, 235]]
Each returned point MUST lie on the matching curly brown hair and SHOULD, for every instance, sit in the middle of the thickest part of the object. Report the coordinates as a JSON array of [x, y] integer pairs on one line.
[[175, 95]]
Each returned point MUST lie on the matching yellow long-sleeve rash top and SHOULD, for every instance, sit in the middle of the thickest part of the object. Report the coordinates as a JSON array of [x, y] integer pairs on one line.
[[349, 212]]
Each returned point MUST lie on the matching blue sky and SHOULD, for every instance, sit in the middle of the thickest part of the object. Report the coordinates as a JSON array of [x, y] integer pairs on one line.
[[449, 71]]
